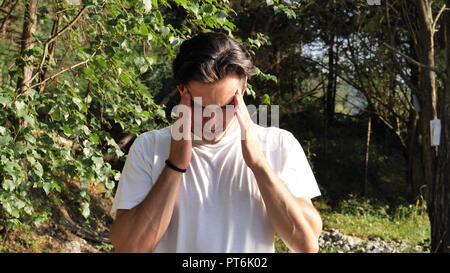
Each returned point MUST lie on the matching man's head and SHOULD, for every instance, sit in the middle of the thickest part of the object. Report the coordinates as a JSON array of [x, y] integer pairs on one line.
[[212, 66], [210, 57]]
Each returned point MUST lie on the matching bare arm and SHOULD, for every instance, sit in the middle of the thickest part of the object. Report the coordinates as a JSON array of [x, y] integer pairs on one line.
[[141, 228], [295, 219]]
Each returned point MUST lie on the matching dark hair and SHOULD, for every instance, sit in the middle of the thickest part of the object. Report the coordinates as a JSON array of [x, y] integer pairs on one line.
[[210, 57]]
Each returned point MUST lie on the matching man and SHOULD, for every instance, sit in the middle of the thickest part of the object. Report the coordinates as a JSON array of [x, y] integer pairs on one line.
[[216, 190]]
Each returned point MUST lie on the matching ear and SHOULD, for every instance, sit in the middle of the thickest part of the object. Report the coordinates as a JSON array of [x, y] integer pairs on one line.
[[180, 88]]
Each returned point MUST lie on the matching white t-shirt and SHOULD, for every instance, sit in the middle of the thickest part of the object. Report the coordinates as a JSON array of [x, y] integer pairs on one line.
[[220, 208]]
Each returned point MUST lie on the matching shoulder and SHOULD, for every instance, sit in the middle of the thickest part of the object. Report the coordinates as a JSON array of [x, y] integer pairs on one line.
[[145, 142], [153, 134], [275, 135]]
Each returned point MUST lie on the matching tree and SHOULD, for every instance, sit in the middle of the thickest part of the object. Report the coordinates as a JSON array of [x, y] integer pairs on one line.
[[422, 29], [78, 87]]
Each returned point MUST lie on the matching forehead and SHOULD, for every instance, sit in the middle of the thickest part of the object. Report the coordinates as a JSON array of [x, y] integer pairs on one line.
[[225, 86]]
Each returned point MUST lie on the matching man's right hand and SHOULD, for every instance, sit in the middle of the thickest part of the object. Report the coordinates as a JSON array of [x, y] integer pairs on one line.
[[181, 149]]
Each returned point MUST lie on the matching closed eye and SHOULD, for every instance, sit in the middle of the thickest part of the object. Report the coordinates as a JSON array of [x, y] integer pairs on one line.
[[224, 107]]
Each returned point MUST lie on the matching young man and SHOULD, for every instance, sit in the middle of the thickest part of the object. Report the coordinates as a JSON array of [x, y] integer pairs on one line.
[[215, 190]]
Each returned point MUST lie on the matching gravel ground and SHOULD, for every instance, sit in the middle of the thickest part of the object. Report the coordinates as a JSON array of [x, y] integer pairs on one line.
[[334, 241]]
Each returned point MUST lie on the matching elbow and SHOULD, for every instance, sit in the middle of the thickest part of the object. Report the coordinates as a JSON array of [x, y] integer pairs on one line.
[[128, 247], [307, 247], [125, 244], [312, 247], [309, 243]]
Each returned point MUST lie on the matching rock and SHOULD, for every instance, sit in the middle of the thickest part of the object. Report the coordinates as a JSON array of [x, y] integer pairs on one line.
[[335, 235], [353, 242], [73, 247], [346, 248], [373, 247], [338, 242]]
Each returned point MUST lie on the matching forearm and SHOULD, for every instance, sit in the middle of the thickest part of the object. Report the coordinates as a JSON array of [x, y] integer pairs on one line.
[[141, 228], [296, 221]]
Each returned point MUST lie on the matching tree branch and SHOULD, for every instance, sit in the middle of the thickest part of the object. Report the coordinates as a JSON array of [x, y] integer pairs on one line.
[[66, 69], [437, 17], [432, 68], [7, 17], [54, 37]]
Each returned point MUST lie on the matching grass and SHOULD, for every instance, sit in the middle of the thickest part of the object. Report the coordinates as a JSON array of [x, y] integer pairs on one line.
[[370, 220]]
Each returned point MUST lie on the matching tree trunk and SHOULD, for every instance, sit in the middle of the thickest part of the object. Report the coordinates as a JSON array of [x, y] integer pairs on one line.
[[414, 156], [435, 168], [331, 87], [366, 167], [440, 206], [29, 29]]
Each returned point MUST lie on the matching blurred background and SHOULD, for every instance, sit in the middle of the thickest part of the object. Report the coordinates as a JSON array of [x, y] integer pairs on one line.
[[357, 82]]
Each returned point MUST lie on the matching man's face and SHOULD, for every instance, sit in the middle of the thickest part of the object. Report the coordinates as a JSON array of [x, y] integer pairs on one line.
[[217, 97]]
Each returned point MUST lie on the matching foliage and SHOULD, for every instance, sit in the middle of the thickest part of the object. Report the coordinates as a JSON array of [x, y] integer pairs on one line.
[[99, 84], [371, 219]]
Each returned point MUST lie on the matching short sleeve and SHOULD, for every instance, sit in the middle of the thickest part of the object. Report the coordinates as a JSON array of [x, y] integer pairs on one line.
[[295, 169], [136, 179]]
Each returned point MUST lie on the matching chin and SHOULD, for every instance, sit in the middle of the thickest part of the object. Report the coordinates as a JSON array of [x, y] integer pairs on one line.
[[215, 139]]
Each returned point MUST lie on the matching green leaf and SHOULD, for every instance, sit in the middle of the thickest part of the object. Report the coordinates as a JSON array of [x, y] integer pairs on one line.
[[147, 5], [139, 61], [20, 148], [265, 99], [67, 130], [56, 115], [143, 29], [160, 113], [87, 71], [85, 211], [38, 170], [57, 187], [101, 61], [124, 78], [110, 184], [165, 31], [5, 101], [8, 185], [47, 187], [98, 161], [94, 138], [210, 9], [20, 109], [30, 138], [116, 175], [5, 140]]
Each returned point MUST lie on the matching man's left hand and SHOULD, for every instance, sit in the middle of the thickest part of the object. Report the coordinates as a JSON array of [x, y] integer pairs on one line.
[[251, 145]]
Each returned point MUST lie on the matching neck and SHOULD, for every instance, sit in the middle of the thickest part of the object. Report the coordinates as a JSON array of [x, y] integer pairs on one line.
[[232, 127]]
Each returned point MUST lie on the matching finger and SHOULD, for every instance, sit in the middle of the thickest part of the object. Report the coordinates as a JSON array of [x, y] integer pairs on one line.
[[183, 117], [184, 107], [242, 124], [238, 102], [240, 105]]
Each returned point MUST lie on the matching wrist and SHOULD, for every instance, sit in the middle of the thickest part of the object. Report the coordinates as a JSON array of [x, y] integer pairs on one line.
[[174, 167], [177, 162]]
